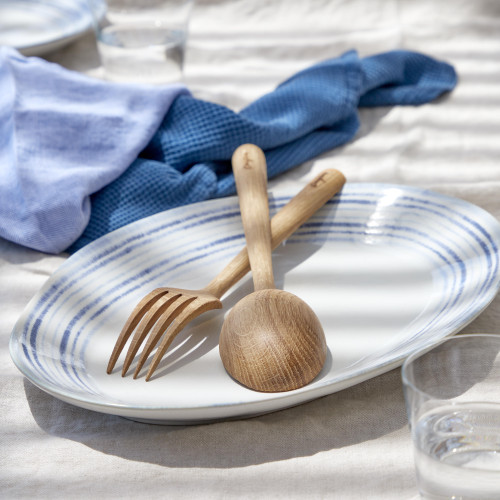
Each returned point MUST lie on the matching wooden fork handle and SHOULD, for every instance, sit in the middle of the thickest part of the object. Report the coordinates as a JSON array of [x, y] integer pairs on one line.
[[250, 175], [297, 211]]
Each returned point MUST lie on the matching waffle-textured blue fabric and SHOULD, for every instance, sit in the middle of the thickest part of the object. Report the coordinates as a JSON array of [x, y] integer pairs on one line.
[[188, 159]]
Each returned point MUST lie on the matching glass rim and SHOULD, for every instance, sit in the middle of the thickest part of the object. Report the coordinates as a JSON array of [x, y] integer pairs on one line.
[[432, 345]]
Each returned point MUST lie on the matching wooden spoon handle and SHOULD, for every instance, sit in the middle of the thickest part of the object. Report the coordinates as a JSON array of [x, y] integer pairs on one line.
[[250, 175], [297, 211]]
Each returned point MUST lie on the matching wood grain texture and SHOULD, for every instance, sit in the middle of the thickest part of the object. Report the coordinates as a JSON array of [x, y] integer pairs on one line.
[[250, 174], [271, 341]]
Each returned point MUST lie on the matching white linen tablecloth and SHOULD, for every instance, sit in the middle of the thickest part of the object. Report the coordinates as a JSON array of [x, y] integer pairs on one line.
[[354, 444]]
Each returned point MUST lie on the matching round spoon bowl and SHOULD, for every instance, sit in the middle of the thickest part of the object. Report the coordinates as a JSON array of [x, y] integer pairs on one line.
[[272, 341]]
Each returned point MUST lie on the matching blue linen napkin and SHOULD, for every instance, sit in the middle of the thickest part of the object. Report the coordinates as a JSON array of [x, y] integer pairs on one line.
[[64, 136], [188, 159], [137, 150]]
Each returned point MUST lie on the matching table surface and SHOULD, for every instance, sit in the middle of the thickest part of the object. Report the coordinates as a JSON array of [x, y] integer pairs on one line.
[[349, 445]]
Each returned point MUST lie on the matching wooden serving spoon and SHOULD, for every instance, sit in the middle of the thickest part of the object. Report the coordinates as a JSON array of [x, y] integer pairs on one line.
[[271, 341]]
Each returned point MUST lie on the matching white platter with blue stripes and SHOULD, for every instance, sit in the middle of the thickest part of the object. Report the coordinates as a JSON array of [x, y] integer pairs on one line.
[[386, 268]]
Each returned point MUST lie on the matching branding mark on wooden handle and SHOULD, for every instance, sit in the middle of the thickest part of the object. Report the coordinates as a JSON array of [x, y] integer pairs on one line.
[[247, 161], [320, 180]]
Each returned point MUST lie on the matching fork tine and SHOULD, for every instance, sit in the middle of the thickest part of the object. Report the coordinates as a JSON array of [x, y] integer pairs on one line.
[[162, 324], [187, 315], [133, 320], [145, 326]]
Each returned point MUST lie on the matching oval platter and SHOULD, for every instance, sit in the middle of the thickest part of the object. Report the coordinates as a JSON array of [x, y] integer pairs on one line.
[[387, 269]]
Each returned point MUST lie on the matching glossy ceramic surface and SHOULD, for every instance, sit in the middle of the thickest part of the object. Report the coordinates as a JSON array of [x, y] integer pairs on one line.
[[386, 268], [34, 27]]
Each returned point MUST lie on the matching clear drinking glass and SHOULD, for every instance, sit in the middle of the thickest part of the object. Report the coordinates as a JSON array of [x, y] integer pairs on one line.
[[142, 40], [452, 393]]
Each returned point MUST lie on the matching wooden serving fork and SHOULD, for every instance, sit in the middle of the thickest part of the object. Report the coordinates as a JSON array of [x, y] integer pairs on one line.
[[164, 312]]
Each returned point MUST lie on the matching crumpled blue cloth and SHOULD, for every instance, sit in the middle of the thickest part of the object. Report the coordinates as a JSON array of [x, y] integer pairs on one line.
[[64, 136], [188, 159], [138, 150]]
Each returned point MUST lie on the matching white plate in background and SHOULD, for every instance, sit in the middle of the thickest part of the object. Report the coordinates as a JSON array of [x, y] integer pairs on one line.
[[38, 27]]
